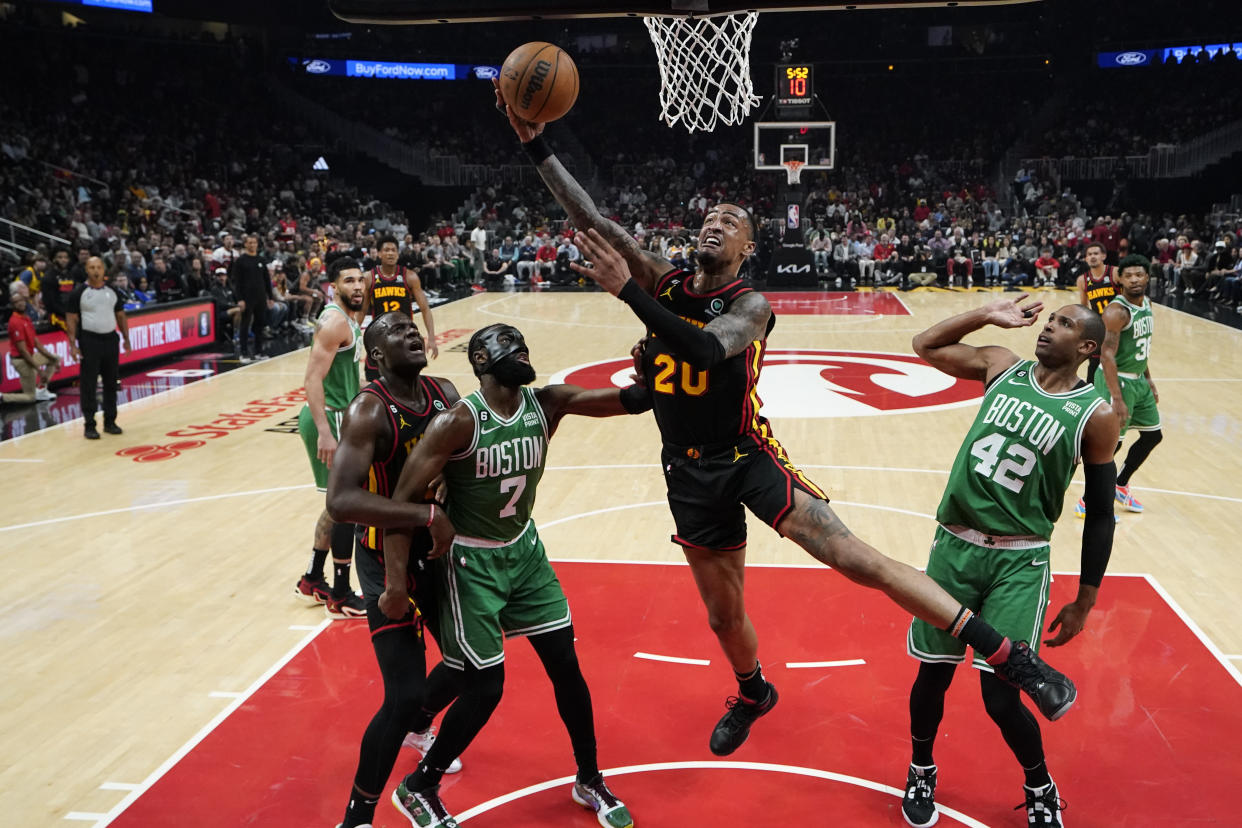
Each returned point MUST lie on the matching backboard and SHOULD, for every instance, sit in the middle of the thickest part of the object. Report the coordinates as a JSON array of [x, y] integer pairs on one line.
[[479, 11], [814, 143]]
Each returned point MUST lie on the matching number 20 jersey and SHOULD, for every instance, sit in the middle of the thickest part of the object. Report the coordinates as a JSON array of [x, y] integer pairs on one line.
[[703, 408], [1014, 466]]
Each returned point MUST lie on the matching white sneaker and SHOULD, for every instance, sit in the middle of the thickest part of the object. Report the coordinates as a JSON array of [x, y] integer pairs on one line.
[[43, 395], [422, 742]]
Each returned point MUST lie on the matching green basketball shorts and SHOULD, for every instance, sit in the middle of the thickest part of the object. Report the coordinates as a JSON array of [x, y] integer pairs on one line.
[[310, 439], [1006, 587], [1141, 402], [496, 590]]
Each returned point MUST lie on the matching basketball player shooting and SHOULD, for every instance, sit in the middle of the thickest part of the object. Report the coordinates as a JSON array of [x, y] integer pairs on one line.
[[706, 335]]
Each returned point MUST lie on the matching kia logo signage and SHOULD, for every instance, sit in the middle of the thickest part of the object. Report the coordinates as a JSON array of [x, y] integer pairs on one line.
[[1131, 58], [793, 268], [318, 67]]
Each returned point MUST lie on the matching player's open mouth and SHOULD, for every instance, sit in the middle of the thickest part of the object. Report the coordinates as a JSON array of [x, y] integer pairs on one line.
[[1043, 340], [522, 356], [710, 240]]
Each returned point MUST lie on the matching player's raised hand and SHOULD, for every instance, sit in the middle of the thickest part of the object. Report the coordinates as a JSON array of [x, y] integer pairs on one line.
[[606, 267], [1014, 313], [526, 130]]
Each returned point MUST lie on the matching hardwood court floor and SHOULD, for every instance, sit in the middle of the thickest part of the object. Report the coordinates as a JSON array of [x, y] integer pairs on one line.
[[150, 585]]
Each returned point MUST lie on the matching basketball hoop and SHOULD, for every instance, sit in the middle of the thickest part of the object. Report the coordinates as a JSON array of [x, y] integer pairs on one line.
[[793, 169], [704, 69]]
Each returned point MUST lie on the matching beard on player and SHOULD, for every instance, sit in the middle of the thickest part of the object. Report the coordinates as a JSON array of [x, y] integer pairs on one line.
[[513, 372]]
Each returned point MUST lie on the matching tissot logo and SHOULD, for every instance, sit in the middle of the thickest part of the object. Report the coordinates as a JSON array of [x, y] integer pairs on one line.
[[318, 67], [806, 268], [1131, 58], [803, 382]]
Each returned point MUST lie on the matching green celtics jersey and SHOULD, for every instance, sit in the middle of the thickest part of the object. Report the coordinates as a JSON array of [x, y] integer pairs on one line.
[[1012, 470], [1134, 347], [341, 383], [491, 484]]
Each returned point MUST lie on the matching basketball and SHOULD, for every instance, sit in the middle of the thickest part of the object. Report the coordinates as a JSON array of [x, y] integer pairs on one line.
[[539, 82]]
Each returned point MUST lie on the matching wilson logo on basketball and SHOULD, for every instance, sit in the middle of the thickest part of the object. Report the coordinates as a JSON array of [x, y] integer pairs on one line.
[[256, 411], [542, 68], [803, 382]]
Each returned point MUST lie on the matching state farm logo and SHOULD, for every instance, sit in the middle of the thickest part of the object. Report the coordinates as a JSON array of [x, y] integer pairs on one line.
[[255, 411], [805, 382]]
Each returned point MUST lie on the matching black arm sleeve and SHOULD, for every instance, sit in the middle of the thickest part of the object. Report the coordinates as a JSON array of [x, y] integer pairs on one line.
[[694, 345], [636, 399], [1097, 530]]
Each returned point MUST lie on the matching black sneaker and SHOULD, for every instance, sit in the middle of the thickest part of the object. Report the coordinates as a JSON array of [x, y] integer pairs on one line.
[[918, 806], [113, 428], [91, 433], [732, 730], [422, 808], [1052, 692], [1043, 805]]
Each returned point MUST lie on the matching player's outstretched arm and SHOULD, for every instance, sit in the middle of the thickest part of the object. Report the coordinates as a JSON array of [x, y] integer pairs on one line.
[[941, 345], [583, 214], [559, 400], [724, 337], [1098, 441]]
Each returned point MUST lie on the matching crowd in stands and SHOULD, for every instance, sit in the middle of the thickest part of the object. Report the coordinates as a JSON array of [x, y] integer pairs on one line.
[[165, 198]]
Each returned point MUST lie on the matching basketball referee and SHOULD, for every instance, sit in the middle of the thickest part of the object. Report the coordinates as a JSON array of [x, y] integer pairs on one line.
[[99, 311]]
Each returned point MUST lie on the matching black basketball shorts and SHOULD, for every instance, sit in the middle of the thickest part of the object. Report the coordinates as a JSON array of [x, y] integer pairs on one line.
[[708, 488]]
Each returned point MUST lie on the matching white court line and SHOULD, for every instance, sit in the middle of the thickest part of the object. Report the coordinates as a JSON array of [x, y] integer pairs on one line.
[[20, 460], [145, 785], [673, 659], [897, 296], [82, 816], [849, 662], [224, 694], [1234, 657], [118, 786], [568, 518], [303, 627], [156, 505], [1194, 628], [750, 766]]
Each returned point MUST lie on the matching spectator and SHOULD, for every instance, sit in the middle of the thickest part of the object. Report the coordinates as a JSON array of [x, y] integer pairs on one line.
[[253, 287], [1047, 268], [141, 291], [960, 265], [496, 267], [545, 259], [526, 254], [228, 311], [35, 365]]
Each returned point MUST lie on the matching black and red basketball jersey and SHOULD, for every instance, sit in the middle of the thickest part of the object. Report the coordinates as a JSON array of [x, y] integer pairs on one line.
[[695, 407], [1101, 292], [406, 427], [390, 293]]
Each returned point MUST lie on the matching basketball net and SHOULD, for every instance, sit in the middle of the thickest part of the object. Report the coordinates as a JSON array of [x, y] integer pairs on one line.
[[704, 69], [793, 169]]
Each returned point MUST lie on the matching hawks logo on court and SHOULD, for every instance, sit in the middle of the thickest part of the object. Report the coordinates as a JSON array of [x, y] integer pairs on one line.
[[804, 382]]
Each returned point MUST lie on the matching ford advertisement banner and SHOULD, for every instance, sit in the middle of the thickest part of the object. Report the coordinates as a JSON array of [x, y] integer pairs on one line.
[[1137, 58], [395, 70]]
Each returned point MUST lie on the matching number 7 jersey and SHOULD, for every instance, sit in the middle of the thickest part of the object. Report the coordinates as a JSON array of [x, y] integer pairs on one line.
[[491, 483], [1014, 466]]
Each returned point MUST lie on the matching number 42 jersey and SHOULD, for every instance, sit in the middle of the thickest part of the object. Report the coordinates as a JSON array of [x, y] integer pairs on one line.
[[1013, 468]]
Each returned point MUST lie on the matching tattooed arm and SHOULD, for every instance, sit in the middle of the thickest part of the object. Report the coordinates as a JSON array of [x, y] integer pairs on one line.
[[645, 267]]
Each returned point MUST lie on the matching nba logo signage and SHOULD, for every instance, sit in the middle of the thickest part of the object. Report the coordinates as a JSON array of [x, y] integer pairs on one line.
[[817, 383], [792, 213]]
